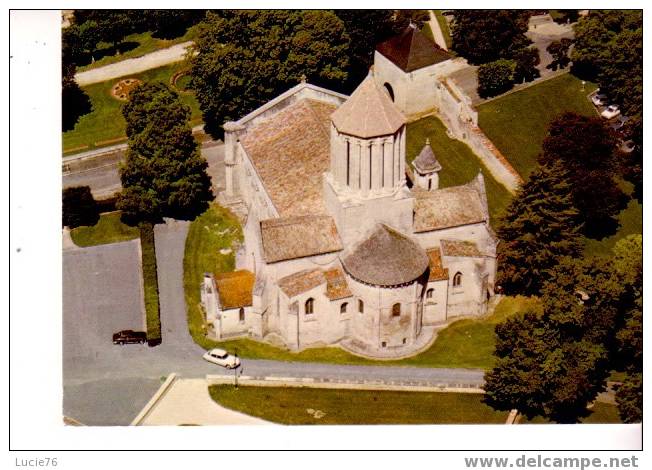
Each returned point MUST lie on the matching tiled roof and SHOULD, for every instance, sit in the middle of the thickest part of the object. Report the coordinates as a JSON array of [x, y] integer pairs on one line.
[[291, 151], [459, 248], [426, 161], [386, 258], [235, 288], [437, 270], [412, 50], [369, 112], [448, 207], [302, 281], [297, 237], [336, 285]]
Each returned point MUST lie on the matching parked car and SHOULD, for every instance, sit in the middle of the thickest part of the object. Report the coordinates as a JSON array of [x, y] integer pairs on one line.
[[129, 337], [610, 112], [618, 124], [599, 99], [222, 358]]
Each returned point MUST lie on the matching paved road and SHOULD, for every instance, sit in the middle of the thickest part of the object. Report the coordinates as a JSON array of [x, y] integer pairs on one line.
[[152, 60], [100, 172]]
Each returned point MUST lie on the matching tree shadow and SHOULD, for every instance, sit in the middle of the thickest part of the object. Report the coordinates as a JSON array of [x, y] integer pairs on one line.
[[109, 51]]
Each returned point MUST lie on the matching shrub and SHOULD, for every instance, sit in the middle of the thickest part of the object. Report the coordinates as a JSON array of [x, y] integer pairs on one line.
[[496, 77], [150, 282], [79, 207]]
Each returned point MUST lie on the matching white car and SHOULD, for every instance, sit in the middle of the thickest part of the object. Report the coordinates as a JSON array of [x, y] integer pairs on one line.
[[222, 358], [598, 99], [610, 112]]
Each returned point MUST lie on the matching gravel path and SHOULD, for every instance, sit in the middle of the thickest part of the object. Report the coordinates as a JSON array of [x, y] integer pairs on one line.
[[152, 60]]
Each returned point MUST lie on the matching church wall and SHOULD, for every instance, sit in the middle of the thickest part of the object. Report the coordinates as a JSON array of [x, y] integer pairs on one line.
[[326, 325], [414, 92], [377, 324], [354, 217], [434, 309], [470, 297]]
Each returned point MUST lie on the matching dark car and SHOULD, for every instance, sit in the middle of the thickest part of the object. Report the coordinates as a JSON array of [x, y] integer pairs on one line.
[[129, 337]]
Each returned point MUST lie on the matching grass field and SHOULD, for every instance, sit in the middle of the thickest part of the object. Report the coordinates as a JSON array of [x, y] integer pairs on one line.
[[459, 164], [143, 44], [150, 284], [105, 122], [518, 123], [465, 343], [288, 405], [108, 229]]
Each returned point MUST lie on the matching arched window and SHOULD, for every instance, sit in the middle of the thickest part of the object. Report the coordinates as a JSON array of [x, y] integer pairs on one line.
[[457, 280], [310, 306], [396, 310], [343, 307], [360, 306], [390, 90], [430, 293], [241, 315]]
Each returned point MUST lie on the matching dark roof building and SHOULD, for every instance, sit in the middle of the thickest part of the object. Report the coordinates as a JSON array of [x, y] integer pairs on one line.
[[412, 50]]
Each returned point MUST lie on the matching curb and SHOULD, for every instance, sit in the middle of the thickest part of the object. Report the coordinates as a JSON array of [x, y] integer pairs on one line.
[[160, 393], [343, 384]]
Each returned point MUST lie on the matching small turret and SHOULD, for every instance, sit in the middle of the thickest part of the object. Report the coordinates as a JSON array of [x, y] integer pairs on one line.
[[426, 169]]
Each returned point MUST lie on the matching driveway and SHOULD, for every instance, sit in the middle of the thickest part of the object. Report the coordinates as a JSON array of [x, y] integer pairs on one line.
[[152, 60]]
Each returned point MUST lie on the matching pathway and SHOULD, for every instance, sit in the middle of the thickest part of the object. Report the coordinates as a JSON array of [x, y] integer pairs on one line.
[[436, 31], [136, 65]]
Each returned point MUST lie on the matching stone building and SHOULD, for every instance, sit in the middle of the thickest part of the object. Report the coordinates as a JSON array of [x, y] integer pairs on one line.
[[341, 246]]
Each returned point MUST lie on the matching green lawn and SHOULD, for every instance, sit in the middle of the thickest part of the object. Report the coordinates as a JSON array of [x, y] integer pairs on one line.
[[459, 164], [105, 122], [631, 222], [518, 123], [289, 405], [146, 44], [109, 229], [150, 284], [445, 30], [465, 343]]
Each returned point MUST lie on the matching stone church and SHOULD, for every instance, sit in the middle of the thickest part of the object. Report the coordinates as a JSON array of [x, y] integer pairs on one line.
[[345, 243]]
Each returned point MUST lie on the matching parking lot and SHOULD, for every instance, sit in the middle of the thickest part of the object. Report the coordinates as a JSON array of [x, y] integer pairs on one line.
[[102, 294]]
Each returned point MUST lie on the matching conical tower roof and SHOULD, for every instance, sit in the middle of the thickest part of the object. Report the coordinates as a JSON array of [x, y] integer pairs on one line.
[[426, 162], [369, 112], [386, 258]]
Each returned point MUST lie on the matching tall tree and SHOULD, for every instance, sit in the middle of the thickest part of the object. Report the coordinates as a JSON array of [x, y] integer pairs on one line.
[[559, 52], [248, 57], [540, 226], [496, 77], [526, 60], [586, 147], [487, 35], [164, 175]]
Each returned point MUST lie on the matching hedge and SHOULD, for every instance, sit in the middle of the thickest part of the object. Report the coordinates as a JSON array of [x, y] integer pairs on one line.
[[150, 281]]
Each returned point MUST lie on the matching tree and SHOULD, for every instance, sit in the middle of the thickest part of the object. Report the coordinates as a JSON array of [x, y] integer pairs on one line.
[[366, 29], [541, 373], [559, 52], [586, 146], [496, 77], [79, 207], [483, 36], [113, 25], [565, 16], [628, 265], [248, 57], [74, 102], [164, 175], [540, 226], [526, 60], [168, 24]]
